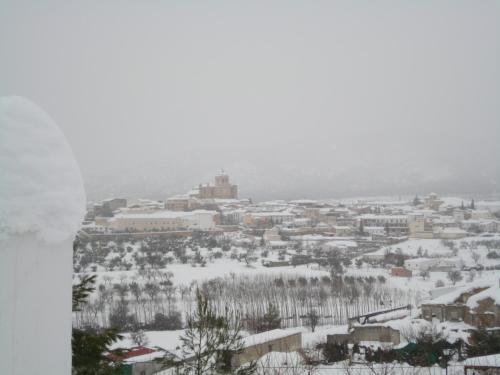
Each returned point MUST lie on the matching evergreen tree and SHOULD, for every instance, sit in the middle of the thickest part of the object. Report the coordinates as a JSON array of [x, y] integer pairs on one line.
[[270, 320], [335, 352], [483, 342], [416, 201], [89, 346], [209, 343], [355, 348]]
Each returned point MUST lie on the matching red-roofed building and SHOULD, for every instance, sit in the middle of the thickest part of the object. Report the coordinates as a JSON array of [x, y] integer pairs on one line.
[[400, 272], [130, 353], [138, 360]]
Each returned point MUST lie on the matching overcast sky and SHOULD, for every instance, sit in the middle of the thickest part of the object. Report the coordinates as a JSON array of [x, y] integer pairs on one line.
[[293, 98]]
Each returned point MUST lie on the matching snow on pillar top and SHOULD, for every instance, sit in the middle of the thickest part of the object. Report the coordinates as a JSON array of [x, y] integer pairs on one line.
[[41, 188]]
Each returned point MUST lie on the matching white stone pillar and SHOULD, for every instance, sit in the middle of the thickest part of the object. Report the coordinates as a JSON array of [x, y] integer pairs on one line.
[[42, 203]]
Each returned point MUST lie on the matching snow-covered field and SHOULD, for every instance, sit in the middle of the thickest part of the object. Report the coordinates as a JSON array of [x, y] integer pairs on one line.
[[185, 274], [231, 265], [227, 266]]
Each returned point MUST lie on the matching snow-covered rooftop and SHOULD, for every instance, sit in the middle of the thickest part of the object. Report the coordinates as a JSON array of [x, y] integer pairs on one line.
[[492, 360], [453, 231], [455, 294], [383, 217], [163, 214], [341, 244], [304, 201], [263, 337], [492, 293], [146, 357]]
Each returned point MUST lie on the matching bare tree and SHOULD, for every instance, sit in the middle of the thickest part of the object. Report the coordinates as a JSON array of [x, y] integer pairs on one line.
[[139, 338], [312, 319], [439, 283], [455, 276], [425, 274]]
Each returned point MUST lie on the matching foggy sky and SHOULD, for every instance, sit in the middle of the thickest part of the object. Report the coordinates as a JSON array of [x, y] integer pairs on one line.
[[293, 99]]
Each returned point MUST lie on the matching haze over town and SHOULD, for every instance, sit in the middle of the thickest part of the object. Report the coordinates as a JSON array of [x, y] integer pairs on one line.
[[302, 99]]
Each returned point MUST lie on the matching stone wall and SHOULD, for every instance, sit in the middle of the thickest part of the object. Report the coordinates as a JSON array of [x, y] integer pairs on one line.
[[367, 333], [289, 343]]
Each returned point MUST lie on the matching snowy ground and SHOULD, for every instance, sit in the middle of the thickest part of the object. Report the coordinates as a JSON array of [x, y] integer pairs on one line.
[[185, 274], [292, 363]]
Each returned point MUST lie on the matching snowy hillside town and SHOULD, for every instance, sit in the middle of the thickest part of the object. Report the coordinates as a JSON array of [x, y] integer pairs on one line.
[[314, 286], [249, 187]]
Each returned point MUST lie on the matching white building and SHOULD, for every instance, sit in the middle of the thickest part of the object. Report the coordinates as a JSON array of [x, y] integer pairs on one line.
[[449, 233], [271, 235], [394, 225], [459, 215], [163, 221], [432, 202], [232, 216], [489, 226], [433, 264], [480, 214], [255, 219], [374, 231], [419, 264]]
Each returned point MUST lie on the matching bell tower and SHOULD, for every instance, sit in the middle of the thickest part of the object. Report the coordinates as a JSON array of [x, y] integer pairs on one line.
[[222, 179]]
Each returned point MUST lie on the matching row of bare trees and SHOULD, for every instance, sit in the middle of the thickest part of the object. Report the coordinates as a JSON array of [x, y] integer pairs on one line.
[[298, 298], [148, 300]]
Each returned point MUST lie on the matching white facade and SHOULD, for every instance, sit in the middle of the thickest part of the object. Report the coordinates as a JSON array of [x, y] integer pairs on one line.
[[271, 235], [419, 264], [163, 221], [449, 233], [480, 214], [375, 231], [428, 264], [489, 226]]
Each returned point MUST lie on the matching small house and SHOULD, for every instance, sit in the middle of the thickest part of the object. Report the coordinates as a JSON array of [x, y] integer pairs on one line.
[[400, 272]]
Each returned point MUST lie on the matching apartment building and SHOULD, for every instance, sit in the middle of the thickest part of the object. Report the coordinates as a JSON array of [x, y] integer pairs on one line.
[[394, 225], [162, 221]]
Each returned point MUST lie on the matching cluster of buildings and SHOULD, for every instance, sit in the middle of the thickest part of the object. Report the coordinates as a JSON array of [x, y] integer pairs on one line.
[[352, 227], [457, 310], [197, 210], [142, 360], [454, 310], [216, 207], [476, 304], [435, 219]]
